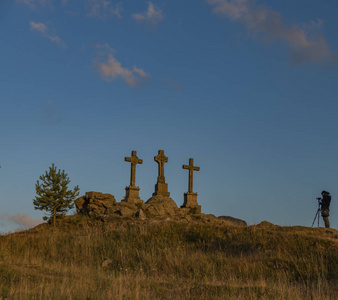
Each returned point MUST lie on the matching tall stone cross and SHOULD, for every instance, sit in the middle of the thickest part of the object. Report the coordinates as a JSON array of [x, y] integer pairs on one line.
[[134, 161], [161, 159], [191, 169]]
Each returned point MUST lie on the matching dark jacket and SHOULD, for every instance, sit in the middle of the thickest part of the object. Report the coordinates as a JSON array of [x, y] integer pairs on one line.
[[326, 201]]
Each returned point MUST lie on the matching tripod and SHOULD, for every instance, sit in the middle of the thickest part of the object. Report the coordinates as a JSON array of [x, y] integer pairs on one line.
[[317, 214]]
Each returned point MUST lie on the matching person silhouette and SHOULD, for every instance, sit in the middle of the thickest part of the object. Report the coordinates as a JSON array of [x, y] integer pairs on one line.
[[325, 207]]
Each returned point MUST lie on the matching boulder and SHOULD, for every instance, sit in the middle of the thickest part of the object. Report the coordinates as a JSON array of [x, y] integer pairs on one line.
[[124, 209], [81, 205], [161, 207], [95, 204]]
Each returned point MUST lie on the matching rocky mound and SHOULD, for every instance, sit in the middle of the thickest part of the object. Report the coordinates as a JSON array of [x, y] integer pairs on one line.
[[161, 206], [234, 220], [104, 206]]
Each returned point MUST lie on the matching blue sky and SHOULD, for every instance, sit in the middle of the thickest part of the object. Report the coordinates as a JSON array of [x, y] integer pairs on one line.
[[246, 88]]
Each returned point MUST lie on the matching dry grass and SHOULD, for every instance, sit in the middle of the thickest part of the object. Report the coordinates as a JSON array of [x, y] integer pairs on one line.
[[169, 261]]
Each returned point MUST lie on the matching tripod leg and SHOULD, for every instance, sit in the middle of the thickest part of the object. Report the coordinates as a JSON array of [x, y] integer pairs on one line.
[[318, 218], [314, 220]]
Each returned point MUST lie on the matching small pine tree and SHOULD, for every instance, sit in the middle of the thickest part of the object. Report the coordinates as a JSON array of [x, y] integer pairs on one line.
[[53, 195]]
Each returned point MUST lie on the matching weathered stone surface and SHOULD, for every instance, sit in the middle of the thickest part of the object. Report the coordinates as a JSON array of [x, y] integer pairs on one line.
[[191, 169], [190, 201], [95, 204], [134, 160], [124, 209], [132, 191], [158, 208], [140, 214], [184, 211], [161, 207], [190, 198], [161, 188], [132, 195], [103, 206], [234, 221], [81, 205]]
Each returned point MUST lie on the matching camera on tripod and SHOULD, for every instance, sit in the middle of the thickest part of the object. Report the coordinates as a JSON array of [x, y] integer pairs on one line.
[[318, 211]]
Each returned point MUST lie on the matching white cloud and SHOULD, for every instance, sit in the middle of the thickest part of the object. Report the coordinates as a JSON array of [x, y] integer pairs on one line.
[[43, 29], [268, 24], [22, 220], [33, 4], [111, 68], [152, 15], [103, 9]]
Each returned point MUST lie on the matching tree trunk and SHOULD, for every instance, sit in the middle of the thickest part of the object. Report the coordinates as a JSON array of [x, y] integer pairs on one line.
[[54, 217]]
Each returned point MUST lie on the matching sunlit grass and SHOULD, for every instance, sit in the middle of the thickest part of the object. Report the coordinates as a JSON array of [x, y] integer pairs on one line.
[[169, 261]]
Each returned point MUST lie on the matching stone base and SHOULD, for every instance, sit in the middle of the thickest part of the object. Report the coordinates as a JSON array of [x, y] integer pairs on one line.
[[161, 189], [190, 201], [132, 195]]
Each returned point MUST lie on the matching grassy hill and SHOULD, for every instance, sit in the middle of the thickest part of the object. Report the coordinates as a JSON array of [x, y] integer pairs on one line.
[[124, 259]]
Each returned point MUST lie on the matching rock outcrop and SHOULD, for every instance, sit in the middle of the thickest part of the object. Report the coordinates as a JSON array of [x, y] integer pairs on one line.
[[234, 221], [160, 206], [98, 205], [104, 207], [95, 204]]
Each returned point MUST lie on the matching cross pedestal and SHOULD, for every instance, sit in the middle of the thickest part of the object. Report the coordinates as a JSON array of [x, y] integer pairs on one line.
[[190, 201], [190, 198], [132, 195], [161, 189], [132, 191]]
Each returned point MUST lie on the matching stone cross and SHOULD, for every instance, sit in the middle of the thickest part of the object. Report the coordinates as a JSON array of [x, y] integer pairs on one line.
[[161, 159], [134, 161], [191, 169]]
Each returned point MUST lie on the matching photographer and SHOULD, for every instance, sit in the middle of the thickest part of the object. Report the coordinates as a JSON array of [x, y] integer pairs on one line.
[[325, 207]]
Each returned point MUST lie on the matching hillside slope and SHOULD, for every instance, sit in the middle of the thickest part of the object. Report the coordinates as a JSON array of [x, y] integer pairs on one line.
[[128, 259]]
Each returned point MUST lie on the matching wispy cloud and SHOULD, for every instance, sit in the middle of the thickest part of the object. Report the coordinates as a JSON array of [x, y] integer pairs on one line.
[[33, 4], [152, 15], [110, 68], [103, 9], [175, 85], [267, 24], [21, 219], [52, 114], [44, 30]]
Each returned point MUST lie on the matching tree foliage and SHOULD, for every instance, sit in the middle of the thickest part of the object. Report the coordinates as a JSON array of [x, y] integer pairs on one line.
[[53, 194]]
